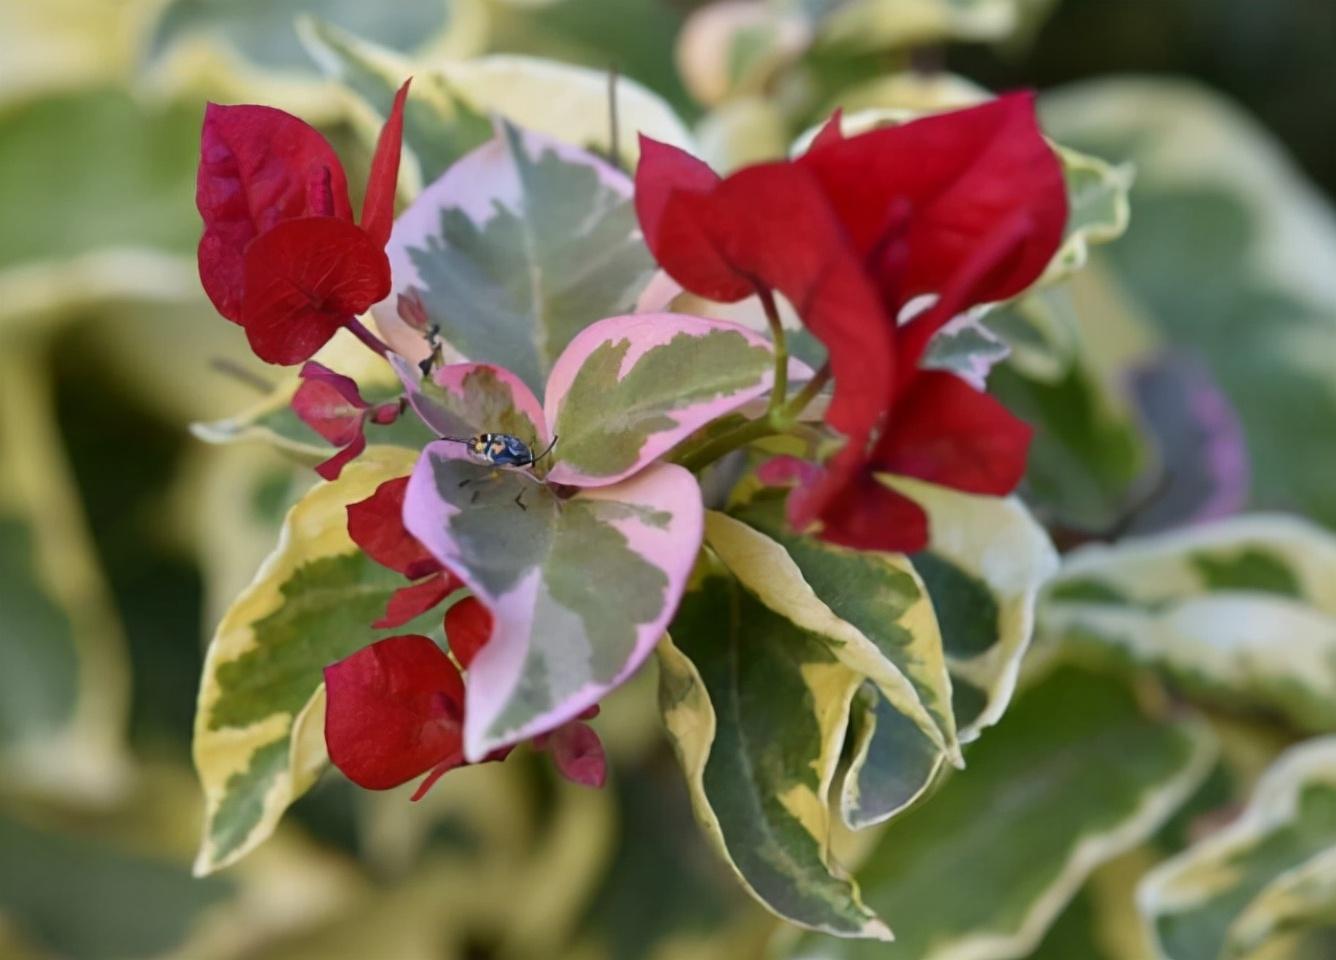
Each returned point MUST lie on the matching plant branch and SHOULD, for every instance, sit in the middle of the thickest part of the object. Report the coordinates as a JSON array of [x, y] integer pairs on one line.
[[367, 337]]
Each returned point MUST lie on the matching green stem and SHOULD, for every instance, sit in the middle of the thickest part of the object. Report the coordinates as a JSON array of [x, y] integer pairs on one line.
[[781, 387], [794, 409], [776, 421]]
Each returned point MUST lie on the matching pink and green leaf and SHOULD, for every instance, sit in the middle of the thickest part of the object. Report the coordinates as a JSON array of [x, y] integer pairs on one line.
[[580, 589], [628, 389], [463, 399], [515, 249]]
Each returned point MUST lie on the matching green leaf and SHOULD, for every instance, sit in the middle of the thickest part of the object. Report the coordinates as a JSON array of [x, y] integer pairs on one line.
[[1228, 257], [1086, 454], [863, 25], [262, 34], [63, 672], [448, 107], [1269, 874], [83, 898], [756, 708], [870, 609], [891, 765], [259, 737], [1240, 613], [1074, 775], [516, 249], [115, 224]]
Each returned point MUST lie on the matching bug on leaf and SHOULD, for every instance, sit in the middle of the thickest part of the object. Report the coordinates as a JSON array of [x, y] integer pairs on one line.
[[501, 450]]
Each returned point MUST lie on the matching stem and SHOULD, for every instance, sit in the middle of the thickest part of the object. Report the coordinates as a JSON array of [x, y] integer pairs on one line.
[[795, 407], [781, 387], [367, 337], [775, 421], [614, 125], [728, 442]]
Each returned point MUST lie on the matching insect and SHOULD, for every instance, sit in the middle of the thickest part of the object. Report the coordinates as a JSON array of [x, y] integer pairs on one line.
[[501, 450]]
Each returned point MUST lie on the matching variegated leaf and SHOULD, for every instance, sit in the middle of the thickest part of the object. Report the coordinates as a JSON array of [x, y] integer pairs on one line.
[[466, 399], [253, 51], [1228, 257], [64, 679], [447, 111], [1268, 875], [871, 610], [756, 708], [513, 251], [136, 234], [1241, 613], [984, 565], [626, 390], [1074, 775], [259, 727], [580, 587]]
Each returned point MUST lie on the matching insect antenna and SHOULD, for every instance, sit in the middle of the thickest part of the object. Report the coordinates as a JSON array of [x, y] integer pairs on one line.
[[457, 439], [547, 451]]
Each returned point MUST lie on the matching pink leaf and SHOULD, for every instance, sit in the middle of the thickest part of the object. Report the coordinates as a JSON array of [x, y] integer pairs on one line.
[[628, 389], [580, 589]]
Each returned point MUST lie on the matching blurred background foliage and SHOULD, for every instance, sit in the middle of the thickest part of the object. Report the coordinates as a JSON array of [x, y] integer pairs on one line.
[[122, 538]]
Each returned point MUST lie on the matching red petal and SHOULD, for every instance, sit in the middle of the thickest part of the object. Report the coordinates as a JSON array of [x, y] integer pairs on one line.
[[330, 404], [855, 509], [376, 524], [578, 754], [378, 206], [413, 601], [395, 711], [771, 226], [331, 468], [468, 627], [944, 183], [681, 244], [831, 131], [258, 167], [304, 280], [946, 432]]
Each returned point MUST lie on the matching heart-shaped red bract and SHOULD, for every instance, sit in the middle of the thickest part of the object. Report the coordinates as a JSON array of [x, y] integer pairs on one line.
[[395, 711]]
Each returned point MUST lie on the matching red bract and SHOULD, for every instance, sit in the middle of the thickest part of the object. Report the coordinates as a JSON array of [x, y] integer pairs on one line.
[[280, 254], [376, 525], [331, 405], [395, 711], [967, 207], [468, 627]]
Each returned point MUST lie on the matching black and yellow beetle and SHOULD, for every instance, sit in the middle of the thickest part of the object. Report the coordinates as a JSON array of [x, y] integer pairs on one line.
[[502, 449]]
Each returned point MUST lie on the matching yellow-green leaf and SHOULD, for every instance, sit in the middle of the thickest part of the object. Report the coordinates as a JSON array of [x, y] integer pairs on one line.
[[1075, 774], [756, 708], [64, 680], [871, 610], [1241, 613], [259, 738], [1268, 874], [984, 565]]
